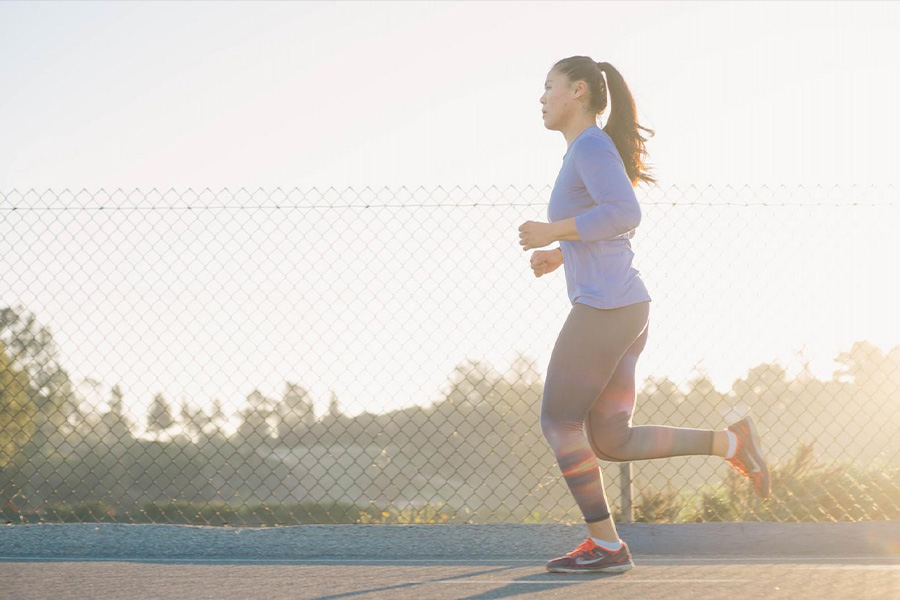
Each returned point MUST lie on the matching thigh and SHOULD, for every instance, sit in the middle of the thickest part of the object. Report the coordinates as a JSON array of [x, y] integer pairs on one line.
[[619, 394], [586, 354], [640, 343]]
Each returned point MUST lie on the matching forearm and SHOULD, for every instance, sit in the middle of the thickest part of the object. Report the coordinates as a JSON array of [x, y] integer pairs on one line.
[[565, 230], [603, 222]]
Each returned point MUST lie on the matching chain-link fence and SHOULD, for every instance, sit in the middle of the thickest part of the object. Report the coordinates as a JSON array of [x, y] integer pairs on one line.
[[335, 356]]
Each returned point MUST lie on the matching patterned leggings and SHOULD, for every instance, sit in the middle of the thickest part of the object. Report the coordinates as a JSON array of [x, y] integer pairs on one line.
[[588, 403]]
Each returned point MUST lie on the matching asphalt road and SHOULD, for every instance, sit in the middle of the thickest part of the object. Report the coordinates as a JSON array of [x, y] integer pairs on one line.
[[654, 576], [733, 561]]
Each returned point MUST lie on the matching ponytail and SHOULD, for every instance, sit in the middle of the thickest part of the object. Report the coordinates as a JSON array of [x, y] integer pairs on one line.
[[621, 126]]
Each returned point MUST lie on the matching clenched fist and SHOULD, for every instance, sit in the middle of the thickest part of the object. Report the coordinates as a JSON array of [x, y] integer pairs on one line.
[[534, 234], [545, 261]]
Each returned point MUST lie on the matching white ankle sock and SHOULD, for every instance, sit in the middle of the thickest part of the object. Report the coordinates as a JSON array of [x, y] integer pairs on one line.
[[608, 545], [732, 444]]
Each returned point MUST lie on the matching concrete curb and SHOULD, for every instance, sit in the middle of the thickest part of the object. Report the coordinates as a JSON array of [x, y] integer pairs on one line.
[[539, 541]]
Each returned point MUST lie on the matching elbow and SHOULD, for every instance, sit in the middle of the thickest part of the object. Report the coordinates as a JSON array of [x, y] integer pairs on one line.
[[630, 217], [636, 216]]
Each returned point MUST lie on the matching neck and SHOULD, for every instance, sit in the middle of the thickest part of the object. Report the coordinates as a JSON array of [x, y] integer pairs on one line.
[[576, 127]]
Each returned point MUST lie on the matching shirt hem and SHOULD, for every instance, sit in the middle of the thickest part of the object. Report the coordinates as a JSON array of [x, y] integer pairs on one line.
[[594, 303]]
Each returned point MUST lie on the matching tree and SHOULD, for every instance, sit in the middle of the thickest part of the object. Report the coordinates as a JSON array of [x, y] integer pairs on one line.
[[115, 425], [17, 409], [763, 384], [334, 407], [704, 405], [192, 418], [217, 418], [524, 370], [295, 414], [32, 348], [255, 428], [472, 382], [867, 366], [160, 417]]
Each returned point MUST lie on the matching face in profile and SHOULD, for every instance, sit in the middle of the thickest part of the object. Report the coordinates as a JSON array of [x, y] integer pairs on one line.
[[557, 101]]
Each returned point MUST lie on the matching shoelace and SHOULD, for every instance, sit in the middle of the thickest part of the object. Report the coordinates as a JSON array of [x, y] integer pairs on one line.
[[586, 546], [738, 466]]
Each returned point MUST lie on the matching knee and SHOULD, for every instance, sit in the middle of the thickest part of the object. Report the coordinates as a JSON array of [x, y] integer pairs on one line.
[[610, 437], [556, 428], [553, 417], [550, 427]]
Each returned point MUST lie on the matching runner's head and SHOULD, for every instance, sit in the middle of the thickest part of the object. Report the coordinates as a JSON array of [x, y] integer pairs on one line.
[[578, 85]]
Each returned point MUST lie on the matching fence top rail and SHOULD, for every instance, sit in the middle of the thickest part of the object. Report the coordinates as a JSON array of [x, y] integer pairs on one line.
[[439, 196]]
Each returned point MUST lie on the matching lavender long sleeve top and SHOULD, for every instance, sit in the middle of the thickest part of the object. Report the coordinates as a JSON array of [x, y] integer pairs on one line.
[[593, 187]]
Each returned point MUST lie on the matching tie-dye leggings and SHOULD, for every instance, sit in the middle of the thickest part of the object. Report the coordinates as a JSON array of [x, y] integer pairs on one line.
[[588, 402]]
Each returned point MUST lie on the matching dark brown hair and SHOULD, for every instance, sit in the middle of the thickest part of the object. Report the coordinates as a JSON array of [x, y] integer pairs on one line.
[[622, 125]]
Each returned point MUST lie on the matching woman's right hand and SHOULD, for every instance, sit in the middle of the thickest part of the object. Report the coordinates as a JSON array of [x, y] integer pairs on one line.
[[545, 261]]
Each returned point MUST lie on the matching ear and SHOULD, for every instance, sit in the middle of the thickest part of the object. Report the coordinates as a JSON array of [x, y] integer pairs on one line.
[[580, 88]]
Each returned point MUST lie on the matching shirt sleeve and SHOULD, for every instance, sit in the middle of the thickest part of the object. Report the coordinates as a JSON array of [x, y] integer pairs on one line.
[[603, 174]]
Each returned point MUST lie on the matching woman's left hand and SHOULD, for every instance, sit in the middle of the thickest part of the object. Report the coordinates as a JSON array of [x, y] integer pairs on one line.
[[533, 234]]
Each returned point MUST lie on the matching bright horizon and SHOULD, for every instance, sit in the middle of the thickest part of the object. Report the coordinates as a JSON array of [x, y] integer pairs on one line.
[[409, 95]]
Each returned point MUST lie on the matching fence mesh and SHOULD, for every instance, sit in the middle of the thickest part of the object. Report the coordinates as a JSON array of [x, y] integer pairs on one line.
[[277, 357]]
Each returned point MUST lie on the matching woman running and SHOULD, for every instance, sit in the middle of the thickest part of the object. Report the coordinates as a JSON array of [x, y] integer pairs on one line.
[[589, 392]]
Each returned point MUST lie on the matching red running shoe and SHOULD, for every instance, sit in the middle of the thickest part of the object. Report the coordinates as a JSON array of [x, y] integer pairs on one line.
[[748, 459], [591, 558]]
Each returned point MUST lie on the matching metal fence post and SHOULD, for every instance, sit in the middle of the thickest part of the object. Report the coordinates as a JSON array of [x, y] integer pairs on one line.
[[627, 506]]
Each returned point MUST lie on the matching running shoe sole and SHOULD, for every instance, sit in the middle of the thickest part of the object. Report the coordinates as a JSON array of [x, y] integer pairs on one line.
[[608, 569], [751, 448], [606, 561]]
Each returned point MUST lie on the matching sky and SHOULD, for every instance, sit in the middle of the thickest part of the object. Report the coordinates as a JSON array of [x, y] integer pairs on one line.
[[194, 96]]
